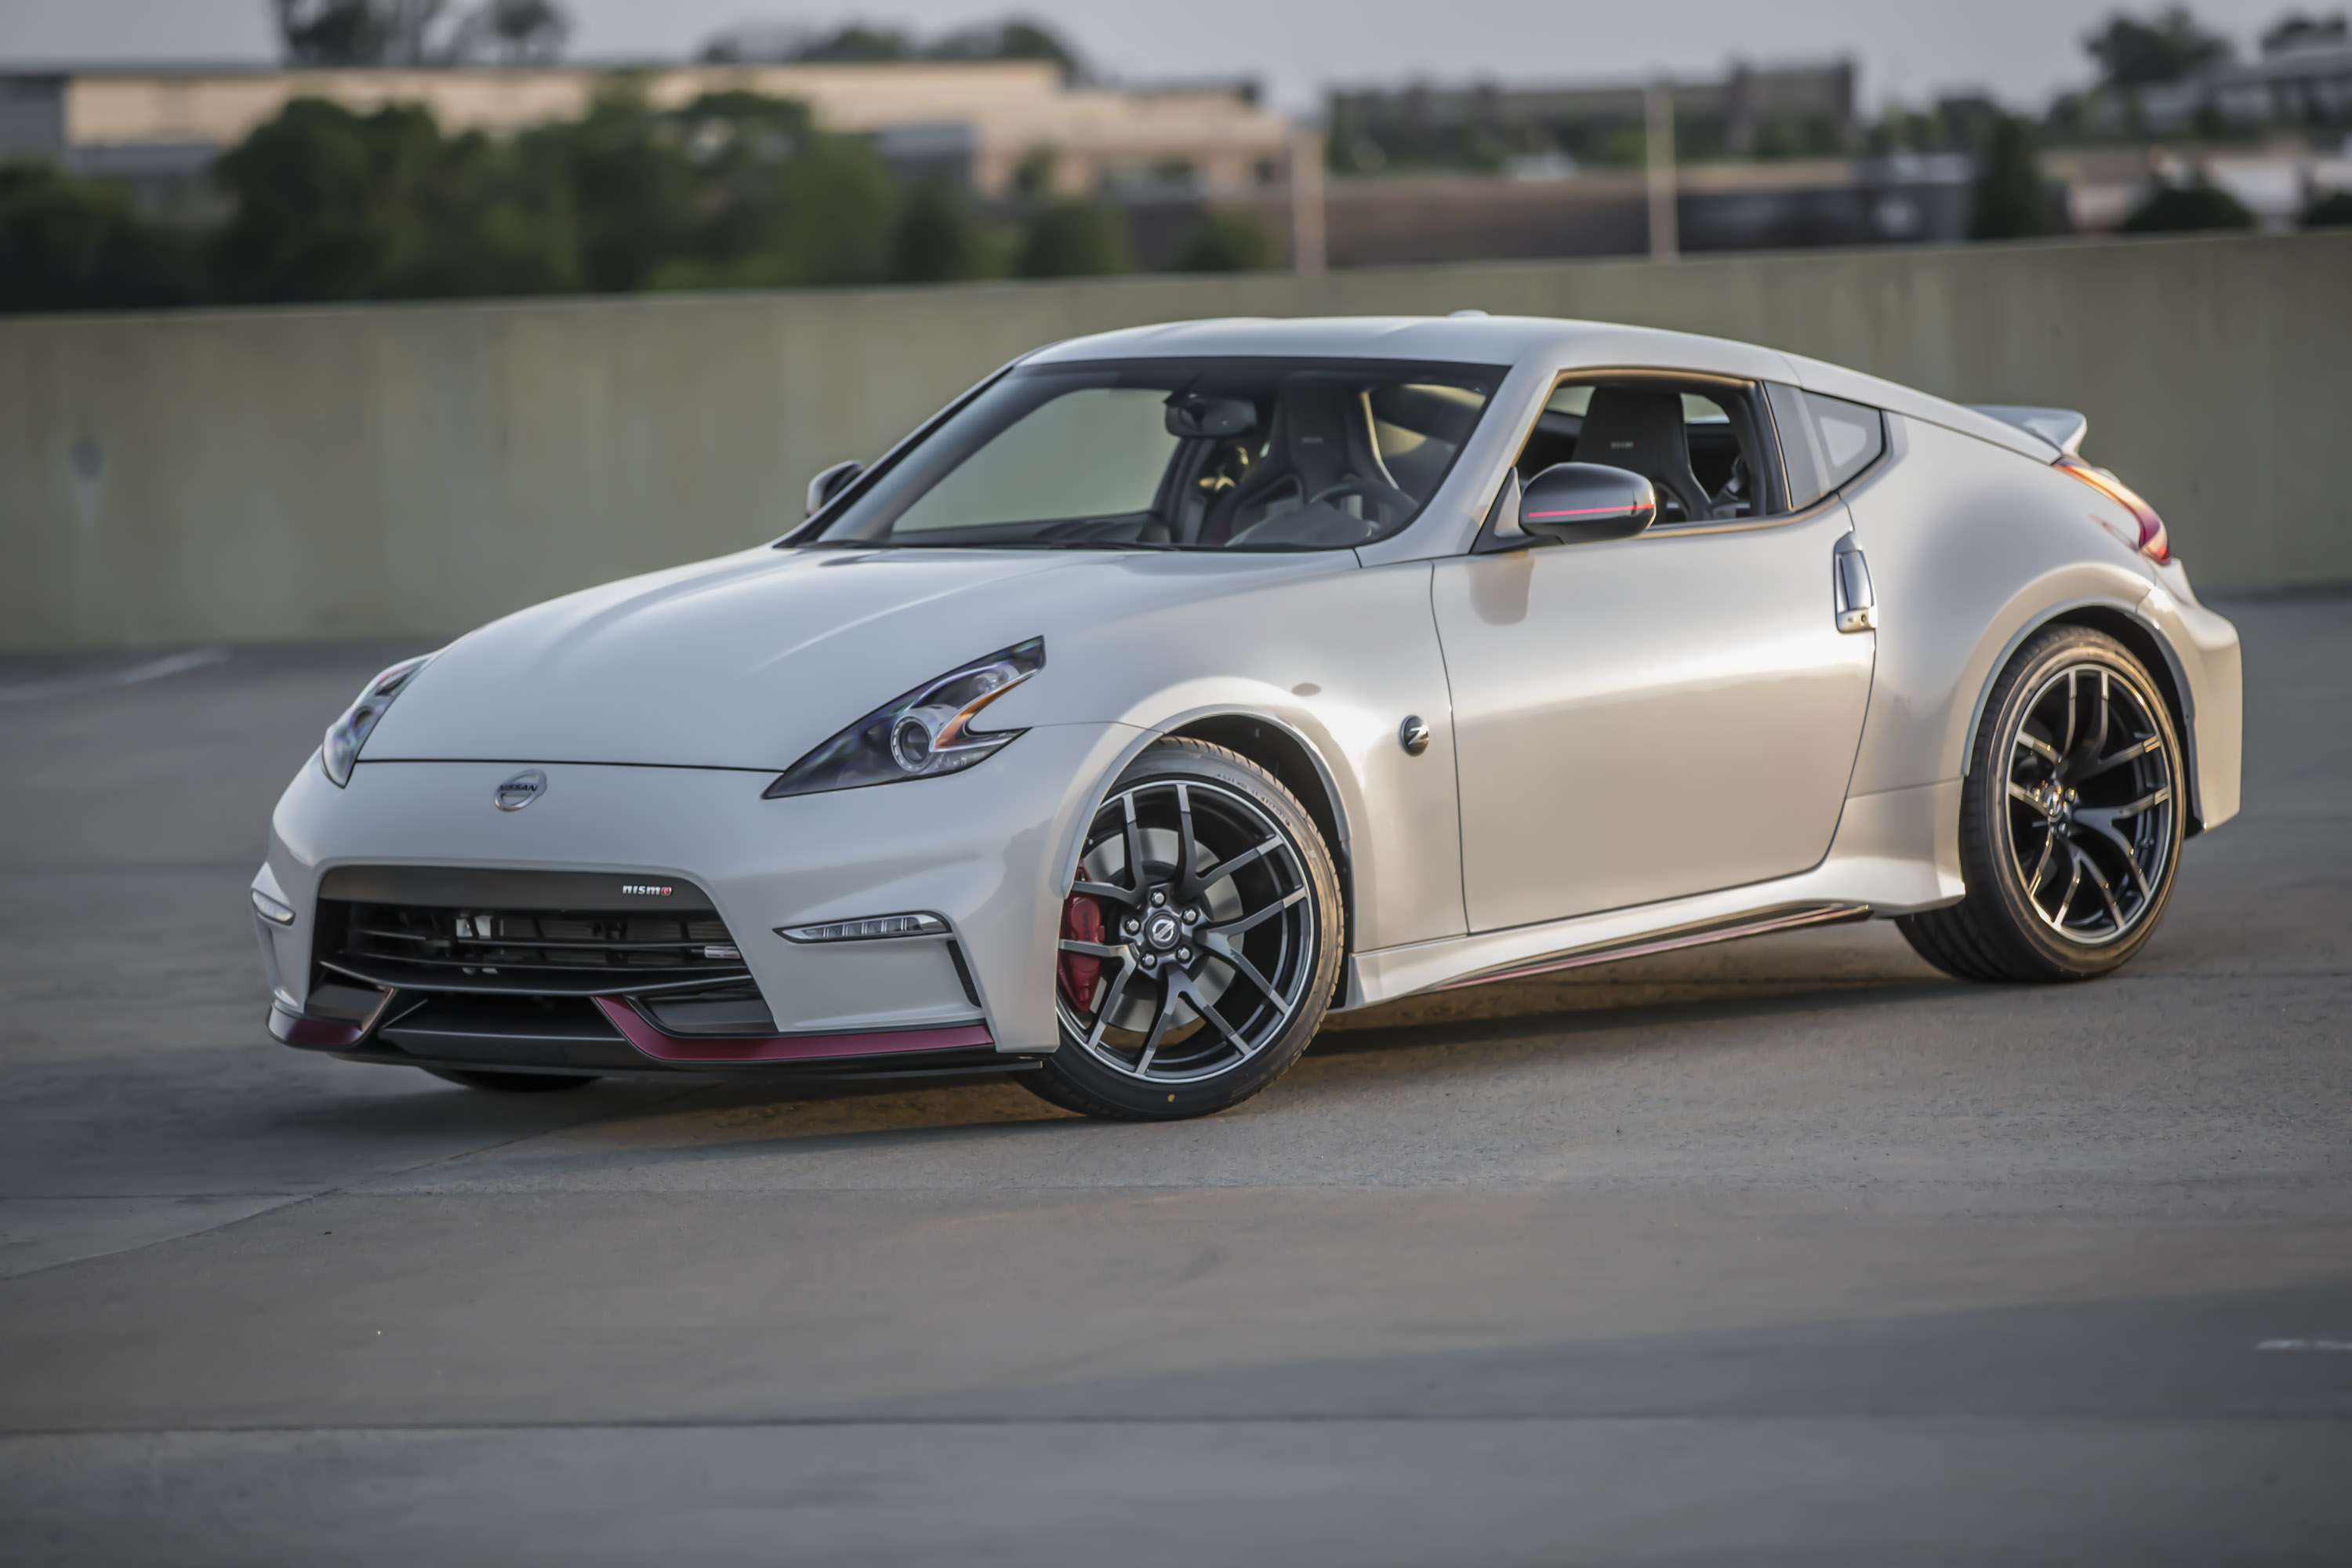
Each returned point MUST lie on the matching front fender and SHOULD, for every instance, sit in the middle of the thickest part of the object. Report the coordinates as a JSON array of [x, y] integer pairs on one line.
[[1335, 666]]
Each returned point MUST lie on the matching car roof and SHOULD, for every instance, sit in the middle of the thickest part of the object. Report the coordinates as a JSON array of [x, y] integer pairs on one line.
[[1513, 340]]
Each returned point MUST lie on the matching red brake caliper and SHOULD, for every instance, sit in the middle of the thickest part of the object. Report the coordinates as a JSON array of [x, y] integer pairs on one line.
[[1081, 921]]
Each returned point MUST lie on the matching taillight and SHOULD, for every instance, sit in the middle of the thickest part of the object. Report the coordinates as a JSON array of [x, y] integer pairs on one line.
[[2152, 542]]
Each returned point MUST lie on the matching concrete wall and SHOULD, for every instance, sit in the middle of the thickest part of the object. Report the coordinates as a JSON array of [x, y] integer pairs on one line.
[[419, 469]]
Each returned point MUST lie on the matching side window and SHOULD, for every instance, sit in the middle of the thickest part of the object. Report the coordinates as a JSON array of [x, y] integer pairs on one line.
[[1851, 436], [1826, 442], [1705, 446]]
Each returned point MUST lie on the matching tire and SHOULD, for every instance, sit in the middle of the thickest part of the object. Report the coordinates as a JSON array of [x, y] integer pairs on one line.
[[2072, 819], [1200, 943], [514, 1082]]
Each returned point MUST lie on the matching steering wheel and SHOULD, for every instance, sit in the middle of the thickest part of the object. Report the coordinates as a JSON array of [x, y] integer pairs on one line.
[[1377, 490]]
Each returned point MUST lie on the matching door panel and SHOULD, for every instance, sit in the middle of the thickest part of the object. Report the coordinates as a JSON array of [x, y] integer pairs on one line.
[[1649, 718]]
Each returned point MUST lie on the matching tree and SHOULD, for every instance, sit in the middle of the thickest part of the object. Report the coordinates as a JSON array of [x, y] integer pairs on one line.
[[1226, 241], [513, 32], [1013, 40], [619, 183], [855, 43], [357, 32], [2187, 209], [2134, 54], [409, 31], [859, 43], [780, 203], [1074, 238], [940, 239], [75, 245], [329, 204], [2295, 31], [2333, 210], [2011, 201]]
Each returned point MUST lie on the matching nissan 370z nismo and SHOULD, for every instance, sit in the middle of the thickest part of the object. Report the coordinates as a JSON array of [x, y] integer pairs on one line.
[[1176, 686]]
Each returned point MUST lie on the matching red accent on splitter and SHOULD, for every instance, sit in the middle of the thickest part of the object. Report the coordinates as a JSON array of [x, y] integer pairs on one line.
[[667, 1047], [293, 1029]]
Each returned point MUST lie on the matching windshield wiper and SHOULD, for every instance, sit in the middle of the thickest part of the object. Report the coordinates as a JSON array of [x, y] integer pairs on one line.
[[1080, 544]]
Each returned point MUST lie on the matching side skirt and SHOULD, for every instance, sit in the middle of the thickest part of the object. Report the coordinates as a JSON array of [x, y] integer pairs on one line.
[[1699, 936]]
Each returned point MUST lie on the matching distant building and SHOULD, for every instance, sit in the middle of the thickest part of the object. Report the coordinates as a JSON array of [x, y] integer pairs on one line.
[[1793, 111], [975, 123], [2300, 82]]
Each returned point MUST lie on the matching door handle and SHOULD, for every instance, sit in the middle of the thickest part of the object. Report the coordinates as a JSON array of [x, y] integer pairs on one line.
[[1857, 610]]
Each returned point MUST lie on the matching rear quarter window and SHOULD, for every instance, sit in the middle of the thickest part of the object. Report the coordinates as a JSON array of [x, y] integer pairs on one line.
[[1825, 442]]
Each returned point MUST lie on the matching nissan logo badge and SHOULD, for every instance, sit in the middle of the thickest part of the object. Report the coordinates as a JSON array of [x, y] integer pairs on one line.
[[520, 789]]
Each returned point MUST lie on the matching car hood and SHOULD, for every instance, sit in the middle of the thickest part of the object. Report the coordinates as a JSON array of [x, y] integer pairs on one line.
[[750, 660]]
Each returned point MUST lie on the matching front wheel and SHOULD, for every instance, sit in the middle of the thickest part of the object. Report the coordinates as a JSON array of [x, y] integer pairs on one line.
[[2071, 821], [1199, 942]]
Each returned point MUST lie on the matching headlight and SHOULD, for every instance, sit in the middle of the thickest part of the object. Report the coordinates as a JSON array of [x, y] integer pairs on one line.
[[347, 734], [923, 734]]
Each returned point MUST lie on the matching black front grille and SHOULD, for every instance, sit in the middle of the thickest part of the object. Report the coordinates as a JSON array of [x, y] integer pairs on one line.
[[531, 952]]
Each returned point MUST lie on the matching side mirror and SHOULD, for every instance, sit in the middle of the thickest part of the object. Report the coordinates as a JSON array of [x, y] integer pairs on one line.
[[1578, 503], [831, 483]]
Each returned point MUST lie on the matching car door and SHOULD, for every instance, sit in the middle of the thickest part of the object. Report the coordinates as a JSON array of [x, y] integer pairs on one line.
[[1647, 718]]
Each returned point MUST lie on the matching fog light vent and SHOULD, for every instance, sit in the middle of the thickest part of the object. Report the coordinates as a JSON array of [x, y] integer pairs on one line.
[[868, 929]]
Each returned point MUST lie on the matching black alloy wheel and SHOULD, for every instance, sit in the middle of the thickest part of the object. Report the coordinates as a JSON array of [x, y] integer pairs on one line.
[[2071, 822], [1199, 942]]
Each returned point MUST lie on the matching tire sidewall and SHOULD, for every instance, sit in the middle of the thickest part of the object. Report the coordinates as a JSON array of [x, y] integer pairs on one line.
[[1090, 1085], [1994, 846]]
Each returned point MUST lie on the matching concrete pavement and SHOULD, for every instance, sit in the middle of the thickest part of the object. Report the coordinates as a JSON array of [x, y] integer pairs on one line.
[[1784, 1251]]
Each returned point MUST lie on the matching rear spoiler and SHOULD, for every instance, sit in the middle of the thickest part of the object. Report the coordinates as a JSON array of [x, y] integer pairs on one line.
[[2061, 427]]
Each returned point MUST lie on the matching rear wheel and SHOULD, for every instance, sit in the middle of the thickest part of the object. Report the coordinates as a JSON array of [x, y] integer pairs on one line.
[[2071, 821], [1199, 942], [514, 1082]]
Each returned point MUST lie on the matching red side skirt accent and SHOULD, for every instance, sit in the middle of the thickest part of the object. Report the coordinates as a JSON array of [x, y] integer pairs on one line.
[[667, 1047]]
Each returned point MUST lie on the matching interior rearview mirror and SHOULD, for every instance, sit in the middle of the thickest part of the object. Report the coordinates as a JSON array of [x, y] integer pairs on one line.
[[831, 483], [1580, 502], [1190, 414]]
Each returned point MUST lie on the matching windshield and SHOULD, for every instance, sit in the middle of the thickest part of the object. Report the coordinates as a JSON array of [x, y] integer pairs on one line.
[[1190, 454]]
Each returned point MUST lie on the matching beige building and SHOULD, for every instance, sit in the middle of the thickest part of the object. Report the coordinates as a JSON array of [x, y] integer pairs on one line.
[[975, 121]]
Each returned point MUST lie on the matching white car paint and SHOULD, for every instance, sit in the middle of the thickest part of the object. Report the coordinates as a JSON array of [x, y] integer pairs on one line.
[[1629, 740]]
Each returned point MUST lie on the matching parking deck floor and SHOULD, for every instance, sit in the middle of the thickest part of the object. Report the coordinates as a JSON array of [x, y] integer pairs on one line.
[[1790, 1251]]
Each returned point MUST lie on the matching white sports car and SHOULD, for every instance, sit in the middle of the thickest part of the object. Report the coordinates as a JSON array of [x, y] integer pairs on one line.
[[1175, 687]]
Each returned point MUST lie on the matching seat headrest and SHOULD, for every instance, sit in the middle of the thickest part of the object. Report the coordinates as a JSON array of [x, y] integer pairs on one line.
[[1635, 427]]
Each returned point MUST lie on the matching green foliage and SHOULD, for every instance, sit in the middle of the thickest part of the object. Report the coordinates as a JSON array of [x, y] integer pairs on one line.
[[2187, 209], [856, 43], [2331, 211], [1226, 241], [1034, 175], [734, 190], [409, 31], [2295, 30], [2011, 201], [860, 43], [2133, 53], [70, 245], [335, 205], [1013, 40], [1076, 238], [940, 239]]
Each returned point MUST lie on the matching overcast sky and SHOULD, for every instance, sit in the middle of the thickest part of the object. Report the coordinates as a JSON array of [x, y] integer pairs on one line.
[[1911, 49]]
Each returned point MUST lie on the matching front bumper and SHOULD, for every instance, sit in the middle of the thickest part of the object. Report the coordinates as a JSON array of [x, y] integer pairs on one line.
[[986, 850]]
